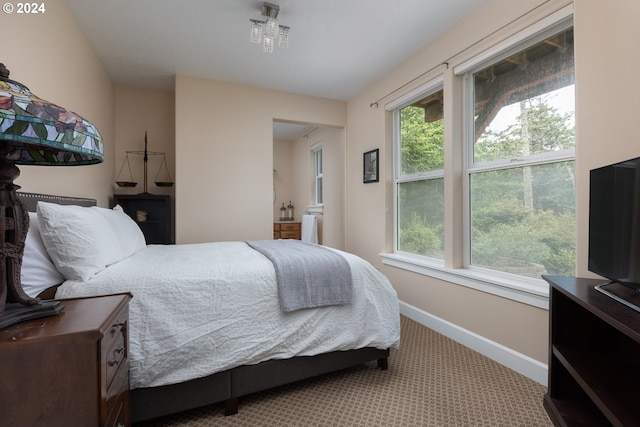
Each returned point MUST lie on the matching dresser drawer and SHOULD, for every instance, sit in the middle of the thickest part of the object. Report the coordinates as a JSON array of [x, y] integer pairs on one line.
[[290, 235], [290, 227], [119, 416], [286, 230], [118, 401], [114, 349], [115, 356]]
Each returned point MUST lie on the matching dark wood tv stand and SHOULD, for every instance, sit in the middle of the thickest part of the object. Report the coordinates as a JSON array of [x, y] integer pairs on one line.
[[594, 356]]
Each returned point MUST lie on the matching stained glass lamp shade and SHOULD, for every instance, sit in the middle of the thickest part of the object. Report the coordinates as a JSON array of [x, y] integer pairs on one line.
[[32, 132]]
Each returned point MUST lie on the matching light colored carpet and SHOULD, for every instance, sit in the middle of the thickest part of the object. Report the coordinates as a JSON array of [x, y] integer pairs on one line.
[[431, 381]]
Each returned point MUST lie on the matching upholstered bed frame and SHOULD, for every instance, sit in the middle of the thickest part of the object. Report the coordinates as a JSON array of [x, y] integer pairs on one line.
[[226, 386]]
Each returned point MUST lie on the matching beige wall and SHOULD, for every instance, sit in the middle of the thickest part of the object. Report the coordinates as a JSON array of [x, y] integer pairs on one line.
[[49, 54], [283, 177], [370, 207], [331, 224], [606, 34], [139, 110], [607, 94], [224, 155], [224, 149]]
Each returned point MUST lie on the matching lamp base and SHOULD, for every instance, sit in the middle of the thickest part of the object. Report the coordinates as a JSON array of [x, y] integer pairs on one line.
[[17, 313]]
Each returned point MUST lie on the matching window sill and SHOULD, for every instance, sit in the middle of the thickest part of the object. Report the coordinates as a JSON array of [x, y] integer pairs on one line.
[[315, 209], [533, 292]]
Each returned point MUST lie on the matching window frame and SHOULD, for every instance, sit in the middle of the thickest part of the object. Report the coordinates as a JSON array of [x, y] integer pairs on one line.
[[471, 167], [432, 86], [316, 153], [530, 291]]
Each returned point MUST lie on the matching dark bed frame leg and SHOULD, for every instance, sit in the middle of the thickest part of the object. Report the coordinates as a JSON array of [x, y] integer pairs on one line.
[[383, 363], [231, 406]]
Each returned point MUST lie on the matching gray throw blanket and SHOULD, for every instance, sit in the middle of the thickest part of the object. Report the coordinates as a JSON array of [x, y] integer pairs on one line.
[[308, 275]]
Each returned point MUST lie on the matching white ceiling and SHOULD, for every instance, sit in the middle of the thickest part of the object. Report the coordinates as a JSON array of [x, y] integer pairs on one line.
[[336, 47]]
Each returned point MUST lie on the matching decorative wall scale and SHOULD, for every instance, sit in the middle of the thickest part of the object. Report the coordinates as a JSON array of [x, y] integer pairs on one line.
[[163, 178]]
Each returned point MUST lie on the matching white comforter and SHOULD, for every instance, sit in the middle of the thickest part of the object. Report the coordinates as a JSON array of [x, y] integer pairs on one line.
[[199, 309]]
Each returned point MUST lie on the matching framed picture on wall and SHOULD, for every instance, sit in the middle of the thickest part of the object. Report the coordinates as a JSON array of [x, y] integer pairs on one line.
[[370, 166]]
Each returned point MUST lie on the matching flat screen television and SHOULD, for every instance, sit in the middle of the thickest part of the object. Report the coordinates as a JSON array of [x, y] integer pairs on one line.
[[614, 230]]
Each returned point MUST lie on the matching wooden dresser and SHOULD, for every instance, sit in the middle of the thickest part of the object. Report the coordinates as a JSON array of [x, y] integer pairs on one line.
[[286, 230], [68, 370]]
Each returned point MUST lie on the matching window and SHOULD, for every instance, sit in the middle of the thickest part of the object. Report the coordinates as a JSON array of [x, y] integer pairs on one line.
[[513, 167], [420, 176], [317, 173], [520, 166]]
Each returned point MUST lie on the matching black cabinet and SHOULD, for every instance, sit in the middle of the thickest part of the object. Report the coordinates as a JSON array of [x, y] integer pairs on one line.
[[153, 213]]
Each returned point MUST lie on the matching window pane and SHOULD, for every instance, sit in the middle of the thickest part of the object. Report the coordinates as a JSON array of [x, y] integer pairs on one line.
[[420, 201], [319, 162], [319, 191], [421, 217], [422, 135], [524, 104], [523, 219], [317, 156]]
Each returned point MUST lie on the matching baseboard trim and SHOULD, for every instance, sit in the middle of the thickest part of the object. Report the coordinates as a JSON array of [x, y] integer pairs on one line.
[[525, 365]]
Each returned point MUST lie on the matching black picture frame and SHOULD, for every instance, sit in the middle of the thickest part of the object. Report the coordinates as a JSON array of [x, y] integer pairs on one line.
[[370, 166]]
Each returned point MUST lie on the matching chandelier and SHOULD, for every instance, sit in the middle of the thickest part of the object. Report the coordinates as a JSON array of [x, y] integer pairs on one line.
[[266, 31]]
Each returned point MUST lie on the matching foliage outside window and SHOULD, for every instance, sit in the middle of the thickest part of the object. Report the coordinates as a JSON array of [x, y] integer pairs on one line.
[[519, 157], [420, 178], [521, 171]]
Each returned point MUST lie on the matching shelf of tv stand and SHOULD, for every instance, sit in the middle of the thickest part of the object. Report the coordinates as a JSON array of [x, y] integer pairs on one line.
[[614, 398], [594, 359]]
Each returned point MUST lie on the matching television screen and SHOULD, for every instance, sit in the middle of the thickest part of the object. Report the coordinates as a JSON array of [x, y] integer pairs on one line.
[[614, 222]]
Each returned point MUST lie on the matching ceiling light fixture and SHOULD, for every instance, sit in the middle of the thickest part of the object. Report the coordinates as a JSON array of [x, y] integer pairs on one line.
[[266, 31]]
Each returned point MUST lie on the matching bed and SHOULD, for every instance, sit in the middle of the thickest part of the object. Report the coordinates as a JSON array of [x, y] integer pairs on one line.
[[208, 321]]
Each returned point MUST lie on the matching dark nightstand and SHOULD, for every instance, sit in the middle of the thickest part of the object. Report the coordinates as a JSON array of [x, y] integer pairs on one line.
[[68, 370], [152, 213]]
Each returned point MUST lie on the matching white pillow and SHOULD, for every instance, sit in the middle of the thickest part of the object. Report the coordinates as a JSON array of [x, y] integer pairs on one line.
[[79, 240], [38, 272], [125, 230]]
